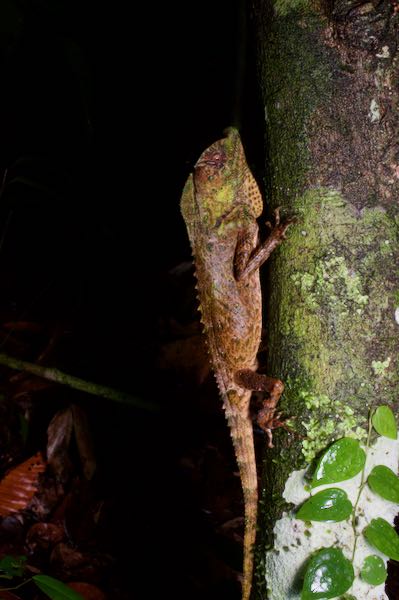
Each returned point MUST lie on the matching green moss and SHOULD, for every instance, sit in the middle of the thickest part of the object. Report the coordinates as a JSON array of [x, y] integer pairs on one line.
[[380, 367], [302, 78], [385, 247], [312, 401], [330, 420], [332, 300], [284, 7]]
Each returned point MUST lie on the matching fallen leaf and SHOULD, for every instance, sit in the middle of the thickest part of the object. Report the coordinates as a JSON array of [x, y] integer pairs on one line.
[[30, 385], [69, 563], [84, 441], [44, 535], [19, 486], [59, 433], [87, 590]]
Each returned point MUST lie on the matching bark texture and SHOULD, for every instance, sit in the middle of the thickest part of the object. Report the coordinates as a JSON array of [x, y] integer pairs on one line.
[[330, 82]]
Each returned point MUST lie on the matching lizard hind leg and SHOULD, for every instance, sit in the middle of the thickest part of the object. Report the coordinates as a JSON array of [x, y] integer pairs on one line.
[[267, 418], [257, 382]]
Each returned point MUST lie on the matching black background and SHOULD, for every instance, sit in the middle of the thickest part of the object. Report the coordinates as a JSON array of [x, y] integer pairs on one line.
[[105, 108]]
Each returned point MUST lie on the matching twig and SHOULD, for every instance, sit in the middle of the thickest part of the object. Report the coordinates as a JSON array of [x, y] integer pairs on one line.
[[75, 382]]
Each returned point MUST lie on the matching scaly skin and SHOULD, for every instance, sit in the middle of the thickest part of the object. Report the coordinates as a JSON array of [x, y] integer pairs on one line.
[[220, 204]]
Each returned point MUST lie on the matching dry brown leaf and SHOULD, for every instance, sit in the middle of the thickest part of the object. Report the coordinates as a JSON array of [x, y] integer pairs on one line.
[[87, 590], [84, 441], [44, 535], [5, 595], [28, 326], [29, 385], [59, 433], [19, 486]]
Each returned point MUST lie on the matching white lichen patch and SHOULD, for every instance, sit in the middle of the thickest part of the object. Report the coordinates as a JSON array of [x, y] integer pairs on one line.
[[374, 112], [294, 491], [384, 53], [296, 540], [397, 315]]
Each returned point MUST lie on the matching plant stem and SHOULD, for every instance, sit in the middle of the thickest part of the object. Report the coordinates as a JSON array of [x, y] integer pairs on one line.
[[15, 587], [362, 484], [76, 383]]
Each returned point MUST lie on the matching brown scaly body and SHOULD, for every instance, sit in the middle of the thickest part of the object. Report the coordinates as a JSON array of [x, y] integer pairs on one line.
[[220, 204]]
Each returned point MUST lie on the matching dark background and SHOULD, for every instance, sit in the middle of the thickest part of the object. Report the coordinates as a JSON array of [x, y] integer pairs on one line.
[[103, 111]]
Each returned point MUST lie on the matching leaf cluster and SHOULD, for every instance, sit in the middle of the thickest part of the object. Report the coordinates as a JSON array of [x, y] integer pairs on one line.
[[14, 566], [329, 573]]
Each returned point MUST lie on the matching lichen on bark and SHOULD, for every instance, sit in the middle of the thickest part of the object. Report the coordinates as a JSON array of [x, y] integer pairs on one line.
[[336, 308], [331, 94]]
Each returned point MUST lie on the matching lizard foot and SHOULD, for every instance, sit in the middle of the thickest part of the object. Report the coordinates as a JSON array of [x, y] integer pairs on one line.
[[276, 214], [279, 228], [268, 420]]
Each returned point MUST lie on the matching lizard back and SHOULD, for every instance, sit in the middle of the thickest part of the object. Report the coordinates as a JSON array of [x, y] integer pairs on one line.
[[220, 203]]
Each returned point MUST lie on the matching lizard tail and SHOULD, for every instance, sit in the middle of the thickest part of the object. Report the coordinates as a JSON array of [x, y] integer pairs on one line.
[[242, 435]]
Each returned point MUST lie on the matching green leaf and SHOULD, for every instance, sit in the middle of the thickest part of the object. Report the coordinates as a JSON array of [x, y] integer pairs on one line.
[[380, 534], [328, 505], [385, 483], [328, 574], [373, 570], [342, 460], [12, 566], [384, 422], [55, 589]]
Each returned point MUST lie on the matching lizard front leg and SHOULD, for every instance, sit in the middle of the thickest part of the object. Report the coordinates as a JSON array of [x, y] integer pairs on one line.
[[247, 259]]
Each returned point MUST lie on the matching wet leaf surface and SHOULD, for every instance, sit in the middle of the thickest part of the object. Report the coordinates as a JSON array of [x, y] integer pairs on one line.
[[384, 422], [331, 504], [380, 534], [55, 589], [328, 575], [341, 461], [373, 570], [383, 481]]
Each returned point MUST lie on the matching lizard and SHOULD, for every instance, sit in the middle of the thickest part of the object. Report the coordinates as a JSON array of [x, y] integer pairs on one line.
[[220, 203]]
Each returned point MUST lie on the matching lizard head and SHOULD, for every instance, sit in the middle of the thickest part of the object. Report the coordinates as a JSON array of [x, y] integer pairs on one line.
[[223, 182], [221, 189]]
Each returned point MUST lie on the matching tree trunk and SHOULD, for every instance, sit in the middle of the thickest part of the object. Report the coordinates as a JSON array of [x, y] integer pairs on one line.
[[329, 78]]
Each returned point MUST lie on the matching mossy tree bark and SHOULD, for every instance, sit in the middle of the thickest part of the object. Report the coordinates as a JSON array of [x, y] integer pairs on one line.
[[330, 83]]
